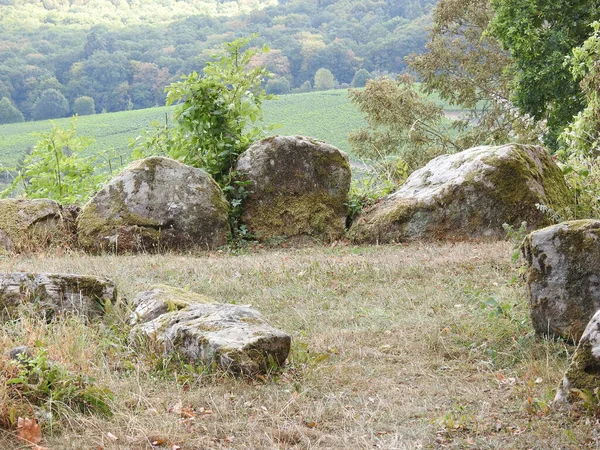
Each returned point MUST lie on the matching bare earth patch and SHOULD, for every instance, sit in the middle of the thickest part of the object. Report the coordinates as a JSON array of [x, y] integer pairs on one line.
[[394, 347]]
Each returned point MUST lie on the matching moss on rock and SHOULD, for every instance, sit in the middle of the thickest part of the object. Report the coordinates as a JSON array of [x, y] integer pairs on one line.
[[299, 188], [468, 195], [155, 204]]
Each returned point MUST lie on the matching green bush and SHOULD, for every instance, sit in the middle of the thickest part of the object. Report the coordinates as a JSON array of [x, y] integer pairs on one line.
[[56, 169]]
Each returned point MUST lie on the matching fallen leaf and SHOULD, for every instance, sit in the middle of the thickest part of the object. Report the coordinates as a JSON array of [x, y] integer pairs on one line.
[[29, 430], [188, 413]]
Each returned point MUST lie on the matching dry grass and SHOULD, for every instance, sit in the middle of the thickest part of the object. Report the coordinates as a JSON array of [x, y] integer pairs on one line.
[[395, 347]]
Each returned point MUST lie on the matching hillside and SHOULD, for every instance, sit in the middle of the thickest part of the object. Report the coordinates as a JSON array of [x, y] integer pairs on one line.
[[324, 115], [121, 53]]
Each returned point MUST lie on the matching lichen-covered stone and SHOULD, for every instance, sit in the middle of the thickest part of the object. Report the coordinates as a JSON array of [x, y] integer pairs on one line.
[[563, 277], [583, 373], [299, 188], [54, 294], [235, 338], [155, 204], [467, 195], [162, 299], [31, 224]]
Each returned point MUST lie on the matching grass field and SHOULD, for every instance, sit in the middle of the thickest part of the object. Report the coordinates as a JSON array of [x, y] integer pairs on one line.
[[394, 347], [324, 115]]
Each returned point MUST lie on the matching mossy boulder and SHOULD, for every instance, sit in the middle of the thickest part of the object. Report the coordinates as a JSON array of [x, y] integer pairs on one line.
[[563, 277], [54, 294], [155, 204], [235, 338], [583, 374], [28, 225], [299, 188], [161, 299], [468, 195]]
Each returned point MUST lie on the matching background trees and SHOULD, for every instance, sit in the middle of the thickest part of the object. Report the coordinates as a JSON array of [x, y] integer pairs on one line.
[[88, 51], [8, 113]]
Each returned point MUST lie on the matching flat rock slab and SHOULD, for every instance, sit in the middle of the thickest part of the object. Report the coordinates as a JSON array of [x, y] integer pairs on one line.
[[563, 277], [236, 338], [467, 195], [299, 189], [156, 204], [54, 294], [583, 373]]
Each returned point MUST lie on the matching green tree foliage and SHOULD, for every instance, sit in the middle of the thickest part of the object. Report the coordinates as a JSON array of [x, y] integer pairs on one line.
[[81, 48], [305, 87], [56, 169], [84, 106], [51, 104], [278, 86], [467, 67], [218, 114], [360, 78], [8, 112], [405, 130], [324, 80], [540, 34], [580, 141]]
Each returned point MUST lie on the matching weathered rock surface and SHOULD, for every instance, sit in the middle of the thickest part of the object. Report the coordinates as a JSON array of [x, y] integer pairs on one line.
[[467, 195], [31, 224], [54, 294], [155, 204], [161, 299], [584, 371], [299, 188], [236, 338], [563, 277]]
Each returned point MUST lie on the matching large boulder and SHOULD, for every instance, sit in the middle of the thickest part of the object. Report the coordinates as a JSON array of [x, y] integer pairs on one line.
[[54, 294], [467, 195], [299, 188], [235, 338], [155, 204], [563, 277], [583, 373], [28, 225]]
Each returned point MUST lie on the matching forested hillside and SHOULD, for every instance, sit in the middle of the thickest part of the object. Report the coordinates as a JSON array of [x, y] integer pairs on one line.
[[60, 57]]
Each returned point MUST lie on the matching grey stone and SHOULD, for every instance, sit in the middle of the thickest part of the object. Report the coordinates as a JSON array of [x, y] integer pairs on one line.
[[54, 294], [299, 188], [563, 277], [467, 195], [155, 204], [583, 373], [235, 338]]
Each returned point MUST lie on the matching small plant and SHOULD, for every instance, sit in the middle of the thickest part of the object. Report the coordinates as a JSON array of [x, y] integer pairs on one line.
[[366, 191], [54, 389], [56, 169], [516, 236]]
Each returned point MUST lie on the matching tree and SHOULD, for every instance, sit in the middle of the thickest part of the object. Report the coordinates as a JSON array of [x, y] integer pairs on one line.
[[404, 129], [305, 87], [51, 104], [466, 67], [84, 106], [540, 34], [55, 168], [218, 115], [278, 86], [324, 80], [8, 112], [360, 78]]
